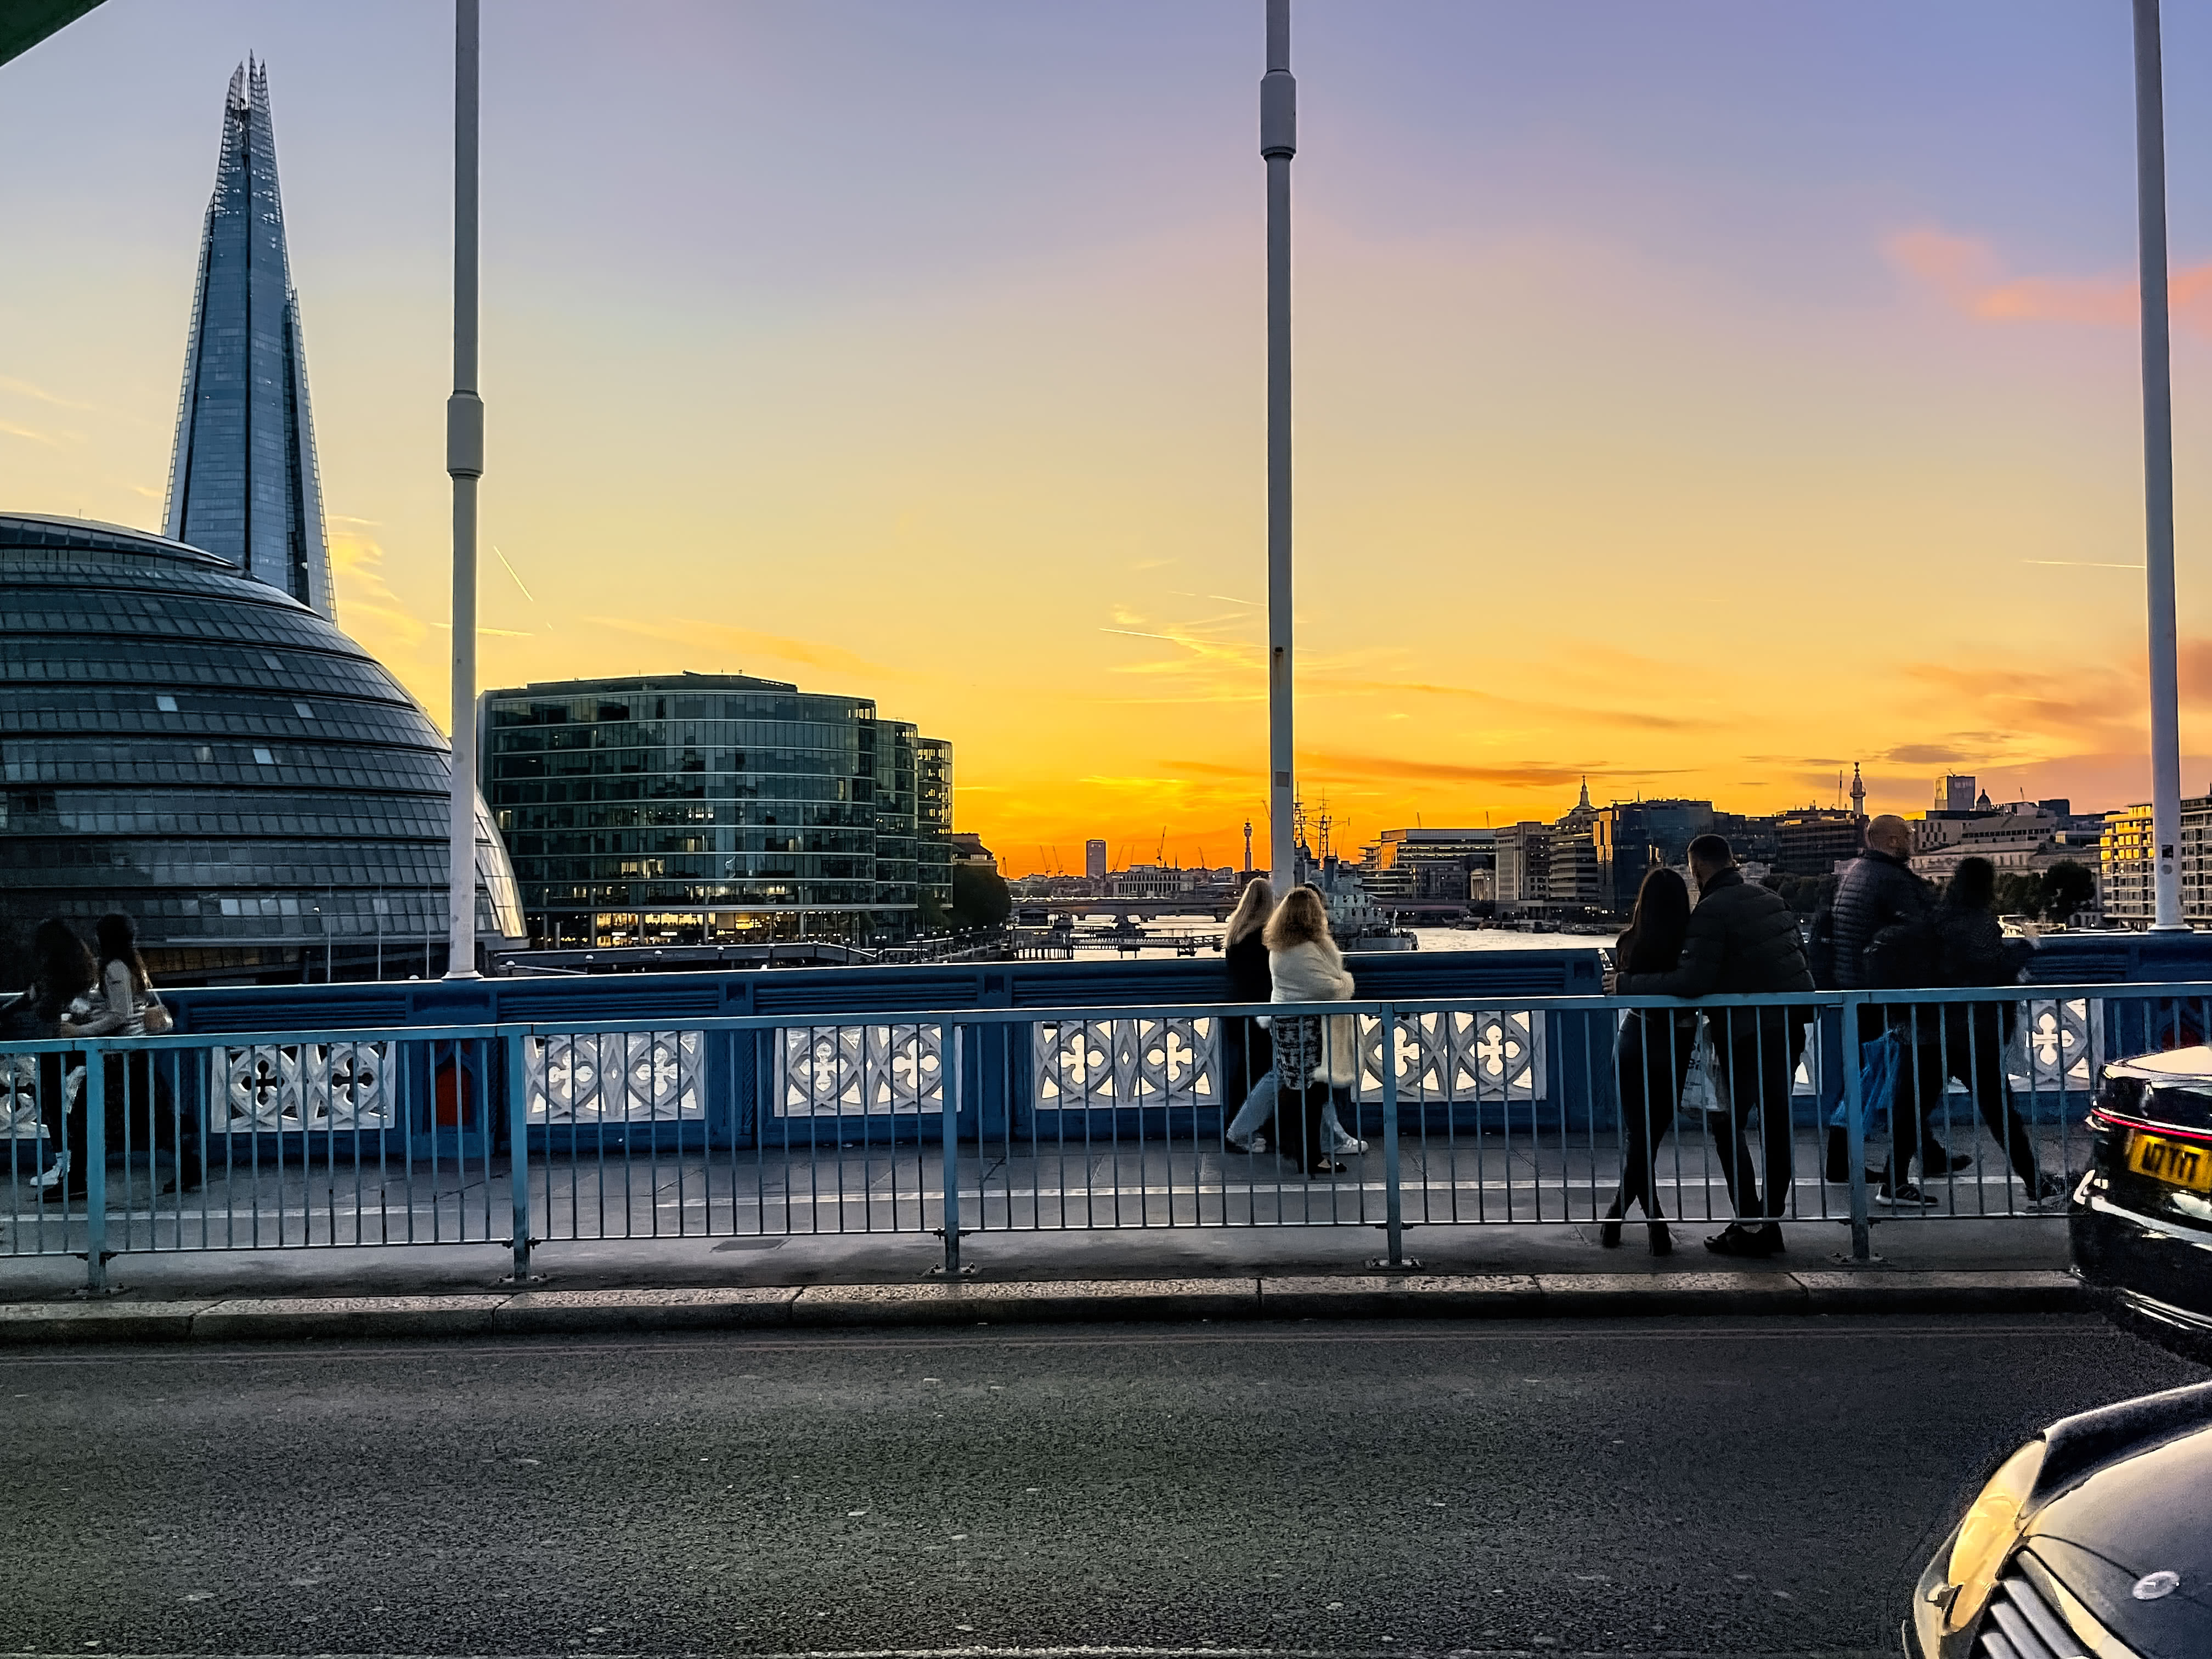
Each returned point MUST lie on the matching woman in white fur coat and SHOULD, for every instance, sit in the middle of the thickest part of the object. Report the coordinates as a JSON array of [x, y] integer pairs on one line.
[[1313, 1052]]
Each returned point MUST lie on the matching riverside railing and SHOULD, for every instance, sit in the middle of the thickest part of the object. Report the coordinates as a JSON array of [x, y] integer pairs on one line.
[[1474, 1111]]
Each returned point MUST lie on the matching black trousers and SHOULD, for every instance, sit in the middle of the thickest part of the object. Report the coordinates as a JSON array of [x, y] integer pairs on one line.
[[141, 1112], [1758, 1049], [1298, 1122], [61, 1121], [1651, 1061], [1965, 1040]]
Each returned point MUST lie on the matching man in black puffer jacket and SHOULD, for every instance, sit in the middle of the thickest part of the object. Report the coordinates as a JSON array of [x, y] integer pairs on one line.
[[1876, 890], [1876, 895], [1742, 940]]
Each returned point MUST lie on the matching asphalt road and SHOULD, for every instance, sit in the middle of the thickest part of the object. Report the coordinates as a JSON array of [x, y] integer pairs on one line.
[[1749, 1488]]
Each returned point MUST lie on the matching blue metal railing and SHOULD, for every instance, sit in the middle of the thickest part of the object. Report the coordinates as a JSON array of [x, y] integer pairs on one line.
[[1489, 1105]]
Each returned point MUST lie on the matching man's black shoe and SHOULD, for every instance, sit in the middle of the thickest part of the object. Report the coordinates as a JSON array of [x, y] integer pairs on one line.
[[1740, 1241]]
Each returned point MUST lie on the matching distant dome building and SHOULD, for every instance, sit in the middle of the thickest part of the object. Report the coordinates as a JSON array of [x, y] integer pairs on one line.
[[206, 753]]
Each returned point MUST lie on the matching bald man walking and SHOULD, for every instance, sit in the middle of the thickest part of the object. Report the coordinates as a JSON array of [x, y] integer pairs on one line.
[[1876, 890]]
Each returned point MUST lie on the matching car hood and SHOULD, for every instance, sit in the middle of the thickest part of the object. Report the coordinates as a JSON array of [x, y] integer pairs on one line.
[[2148, 1512]]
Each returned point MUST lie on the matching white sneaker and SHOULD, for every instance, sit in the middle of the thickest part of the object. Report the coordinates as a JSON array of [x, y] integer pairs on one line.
[[1348, 1146], [51, 1175], [1256, 1144]]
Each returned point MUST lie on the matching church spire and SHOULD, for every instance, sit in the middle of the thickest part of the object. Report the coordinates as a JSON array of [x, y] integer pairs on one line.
[[242, 477]]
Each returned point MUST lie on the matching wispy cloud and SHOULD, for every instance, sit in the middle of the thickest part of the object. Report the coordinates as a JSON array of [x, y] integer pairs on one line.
[[365, 597], [8, 428], [1391, 767], [38, 394], [1969, 275], [720, 637], [2081, 564]]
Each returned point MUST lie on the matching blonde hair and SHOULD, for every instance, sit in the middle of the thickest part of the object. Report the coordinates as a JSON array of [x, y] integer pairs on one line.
[[1300, 919], [1253, 907]]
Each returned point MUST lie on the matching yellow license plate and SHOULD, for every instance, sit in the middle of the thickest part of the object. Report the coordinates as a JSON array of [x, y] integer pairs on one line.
[[2177, 1162]]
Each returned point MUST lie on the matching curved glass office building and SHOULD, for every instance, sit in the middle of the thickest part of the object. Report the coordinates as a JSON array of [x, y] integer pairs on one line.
[[206, 753], [703, 808]]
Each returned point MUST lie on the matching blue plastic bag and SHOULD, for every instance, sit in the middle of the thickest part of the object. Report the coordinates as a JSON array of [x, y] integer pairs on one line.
[[1879, 1062]]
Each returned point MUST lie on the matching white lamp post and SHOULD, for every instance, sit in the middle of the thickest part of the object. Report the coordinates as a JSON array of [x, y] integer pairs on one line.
[[465, 464], [2158, 474], [1278, 143]]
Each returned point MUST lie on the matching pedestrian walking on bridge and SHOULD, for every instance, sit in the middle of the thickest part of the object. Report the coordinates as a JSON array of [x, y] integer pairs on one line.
[[1969, 1040], [1314, 1052], [1248, 1053], [1884, 938]]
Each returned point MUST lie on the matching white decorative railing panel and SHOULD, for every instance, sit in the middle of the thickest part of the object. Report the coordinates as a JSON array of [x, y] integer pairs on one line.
[[308, 1086], [1082, 1064], [614, 1077], [858, 1070], [1482, 1054]]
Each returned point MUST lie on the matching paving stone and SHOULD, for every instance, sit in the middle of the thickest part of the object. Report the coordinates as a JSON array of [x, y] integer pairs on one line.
[[1573, 1294], [711, 1307], [1878, 1290], [971, 1303], [1456, 1296], [98, 1322], [294, 1318]]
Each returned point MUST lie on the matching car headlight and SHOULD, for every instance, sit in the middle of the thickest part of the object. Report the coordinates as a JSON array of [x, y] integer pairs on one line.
[[1977, 1552]]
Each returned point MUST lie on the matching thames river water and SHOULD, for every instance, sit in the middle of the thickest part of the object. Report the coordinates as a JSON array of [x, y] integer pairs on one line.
[[1160, 939]]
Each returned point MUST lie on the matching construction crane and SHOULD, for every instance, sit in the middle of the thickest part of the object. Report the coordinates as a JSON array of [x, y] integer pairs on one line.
[[1160, 854]]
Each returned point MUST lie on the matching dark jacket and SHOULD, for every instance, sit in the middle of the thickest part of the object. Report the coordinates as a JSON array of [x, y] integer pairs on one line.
[[1875, 892], [1975, 950], [1742, 939], [1249, 978]]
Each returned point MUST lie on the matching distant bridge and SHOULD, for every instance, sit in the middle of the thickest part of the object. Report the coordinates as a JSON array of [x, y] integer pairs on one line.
[[1136, 909], [1145, 910]]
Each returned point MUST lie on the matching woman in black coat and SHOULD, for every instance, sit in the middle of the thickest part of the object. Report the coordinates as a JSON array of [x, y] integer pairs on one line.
[[1247, 1053], [1969, 1040], [62, 971], [1652, 1057]]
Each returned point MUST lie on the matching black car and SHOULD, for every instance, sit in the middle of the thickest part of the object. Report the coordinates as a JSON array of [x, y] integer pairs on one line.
[[2093, 1538], [2141, 1219]]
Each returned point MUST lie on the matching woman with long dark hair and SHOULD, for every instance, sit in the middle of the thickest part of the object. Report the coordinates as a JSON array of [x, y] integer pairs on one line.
[[62, 973], [1651, 1058], [1968, 1041], [1248, 1053]]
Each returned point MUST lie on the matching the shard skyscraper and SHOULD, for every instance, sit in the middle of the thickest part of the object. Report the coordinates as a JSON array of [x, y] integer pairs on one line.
[[242, 481]]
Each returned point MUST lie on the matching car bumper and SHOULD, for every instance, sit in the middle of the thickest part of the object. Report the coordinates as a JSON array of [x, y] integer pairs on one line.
[[2152, 1266]]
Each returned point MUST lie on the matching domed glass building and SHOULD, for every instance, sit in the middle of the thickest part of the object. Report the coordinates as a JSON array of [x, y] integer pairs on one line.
[[206, 753]]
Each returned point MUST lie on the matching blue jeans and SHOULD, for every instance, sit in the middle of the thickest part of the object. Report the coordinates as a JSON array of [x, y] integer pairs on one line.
[[1260, 1105]]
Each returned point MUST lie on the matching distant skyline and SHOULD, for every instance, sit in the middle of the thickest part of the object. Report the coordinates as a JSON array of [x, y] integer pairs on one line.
[[1698, 397]]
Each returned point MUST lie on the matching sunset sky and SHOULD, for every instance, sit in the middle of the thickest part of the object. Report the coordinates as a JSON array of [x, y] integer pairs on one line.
[[1697, 396]]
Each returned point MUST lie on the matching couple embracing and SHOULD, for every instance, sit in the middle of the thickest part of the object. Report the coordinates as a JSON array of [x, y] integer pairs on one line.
[[1741, 940]]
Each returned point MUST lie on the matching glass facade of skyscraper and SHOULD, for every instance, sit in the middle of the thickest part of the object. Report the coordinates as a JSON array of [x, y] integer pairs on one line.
[[243, 481], [687, 808], [211, 757]]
